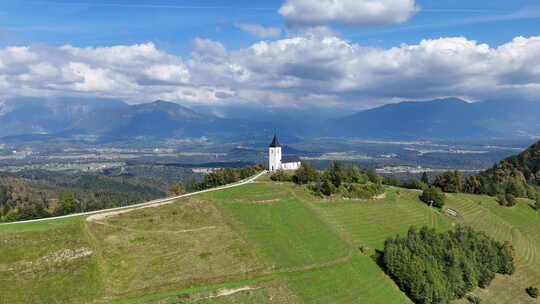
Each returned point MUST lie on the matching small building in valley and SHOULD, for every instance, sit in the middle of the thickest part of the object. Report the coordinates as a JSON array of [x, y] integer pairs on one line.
[[277, 161]]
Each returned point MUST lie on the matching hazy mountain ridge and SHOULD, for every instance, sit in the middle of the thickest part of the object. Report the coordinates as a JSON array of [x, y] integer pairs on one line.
[[442, 118], [112, 120]]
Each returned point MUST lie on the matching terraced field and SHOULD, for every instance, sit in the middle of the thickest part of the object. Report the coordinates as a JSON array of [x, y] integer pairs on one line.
[[259, 243]]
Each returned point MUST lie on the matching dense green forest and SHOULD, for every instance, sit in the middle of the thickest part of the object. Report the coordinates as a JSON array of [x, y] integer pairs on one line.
[[437, 268]]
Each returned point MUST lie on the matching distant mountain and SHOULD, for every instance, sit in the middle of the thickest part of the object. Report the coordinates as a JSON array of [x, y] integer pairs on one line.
[[442, 118], [112, 120], [20, 116]]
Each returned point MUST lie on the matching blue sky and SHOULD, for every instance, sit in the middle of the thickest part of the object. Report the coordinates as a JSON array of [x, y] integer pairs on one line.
[[204, 51], [173, 24]]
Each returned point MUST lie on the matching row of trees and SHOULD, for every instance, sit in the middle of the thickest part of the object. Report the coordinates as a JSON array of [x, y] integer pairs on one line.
[[348, 181], [224, 176], [437, 268]]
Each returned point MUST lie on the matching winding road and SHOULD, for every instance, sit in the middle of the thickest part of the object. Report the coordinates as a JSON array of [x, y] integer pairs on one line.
[[150, 203]]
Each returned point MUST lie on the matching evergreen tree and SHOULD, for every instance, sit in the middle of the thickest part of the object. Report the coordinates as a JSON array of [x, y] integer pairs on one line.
[[425, 178], [336, 174]]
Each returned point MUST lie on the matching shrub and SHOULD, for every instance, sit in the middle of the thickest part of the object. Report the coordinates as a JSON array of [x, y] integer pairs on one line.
[[281, 176], [305, 174], [474, 299], [413, 183], [506, 200], [433, 196], [532, 292], [367, 191]]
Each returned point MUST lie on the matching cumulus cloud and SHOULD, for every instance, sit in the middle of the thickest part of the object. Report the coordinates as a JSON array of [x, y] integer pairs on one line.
[[300, 71], [260, 31], [348, 12]]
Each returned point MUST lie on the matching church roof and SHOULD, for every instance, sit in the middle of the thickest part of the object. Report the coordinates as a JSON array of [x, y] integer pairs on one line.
[[275, 143], [290, 159]]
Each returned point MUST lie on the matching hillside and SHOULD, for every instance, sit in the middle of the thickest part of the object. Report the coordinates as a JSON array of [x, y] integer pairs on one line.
[[264, 242], [525, 167]]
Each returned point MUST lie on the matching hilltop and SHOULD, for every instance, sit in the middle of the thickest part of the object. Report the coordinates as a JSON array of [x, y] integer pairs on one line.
[[265, 242]]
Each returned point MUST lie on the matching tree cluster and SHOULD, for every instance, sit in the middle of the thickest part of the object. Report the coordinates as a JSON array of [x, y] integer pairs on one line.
[[224, 176], [433, 196], [347, 181], [438, 268]]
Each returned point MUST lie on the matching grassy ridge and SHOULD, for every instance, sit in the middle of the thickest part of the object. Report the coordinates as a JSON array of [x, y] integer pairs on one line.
[[283, 229], [258, 243]]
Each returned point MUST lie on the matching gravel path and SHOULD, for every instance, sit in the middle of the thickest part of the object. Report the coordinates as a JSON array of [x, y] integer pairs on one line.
[[153, 203]]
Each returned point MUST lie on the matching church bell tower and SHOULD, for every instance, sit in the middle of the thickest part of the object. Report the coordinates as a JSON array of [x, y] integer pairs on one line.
[[274, 155]]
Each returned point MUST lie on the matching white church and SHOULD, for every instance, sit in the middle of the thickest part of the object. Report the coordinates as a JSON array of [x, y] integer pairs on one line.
[[278, 162]]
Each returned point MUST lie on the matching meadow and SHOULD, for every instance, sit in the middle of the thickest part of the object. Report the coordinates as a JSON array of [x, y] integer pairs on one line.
[[263, 242]]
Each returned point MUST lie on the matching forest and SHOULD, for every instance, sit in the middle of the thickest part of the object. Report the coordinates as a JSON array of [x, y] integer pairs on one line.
[[437, 268]]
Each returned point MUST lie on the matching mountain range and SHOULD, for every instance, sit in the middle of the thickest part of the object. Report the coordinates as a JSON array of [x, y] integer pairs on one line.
[[112, 120]]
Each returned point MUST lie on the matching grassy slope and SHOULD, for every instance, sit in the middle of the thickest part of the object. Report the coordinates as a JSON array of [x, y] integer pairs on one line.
[[287, 245], [32, 269]]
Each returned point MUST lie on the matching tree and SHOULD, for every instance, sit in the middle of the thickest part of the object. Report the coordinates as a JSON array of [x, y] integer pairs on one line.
[[354, 175], [305, 174], [450, 181], [510, 200], [177, 189], [425, 178], [373, 176], [327, 187], [336, 174], [433, 196], [66, 203]]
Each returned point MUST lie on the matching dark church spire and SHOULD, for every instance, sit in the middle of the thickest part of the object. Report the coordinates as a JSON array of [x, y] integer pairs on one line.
[[275, 143]]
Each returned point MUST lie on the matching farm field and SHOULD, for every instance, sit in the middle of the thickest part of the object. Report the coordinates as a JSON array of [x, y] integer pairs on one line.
[[263, 242]]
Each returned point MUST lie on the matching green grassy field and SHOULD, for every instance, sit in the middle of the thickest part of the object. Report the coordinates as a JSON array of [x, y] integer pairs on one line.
[[259, 243]]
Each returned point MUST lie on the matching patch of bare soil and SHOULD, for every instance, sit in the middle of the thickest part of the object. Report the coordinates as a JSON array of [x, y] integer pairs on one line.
[[380, 196], [53, 258], [268, 201], [229, 292]]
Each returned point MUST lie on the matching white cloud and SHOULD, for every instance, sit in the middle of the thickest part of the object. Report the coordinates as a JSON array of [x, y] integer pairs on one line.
[[259, 30], [301, 71], [348, 12]]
